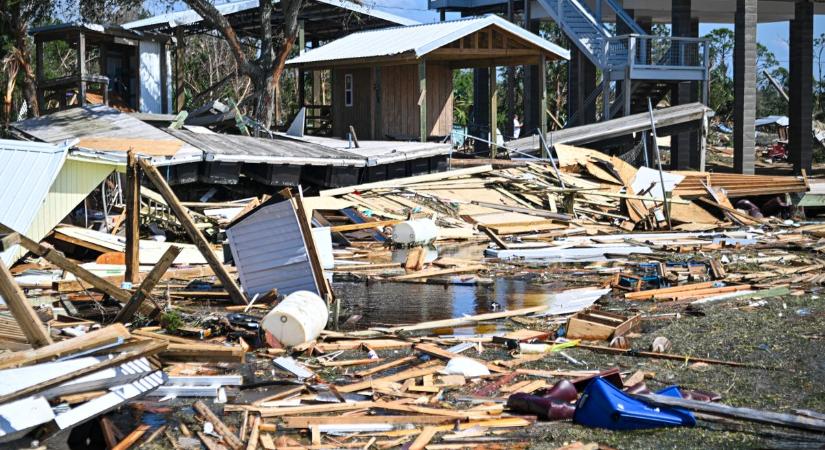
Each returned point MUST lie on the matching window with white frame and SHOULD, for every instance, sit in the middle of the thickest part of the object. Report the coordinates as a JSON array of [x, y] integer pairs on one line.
[[348, 89]]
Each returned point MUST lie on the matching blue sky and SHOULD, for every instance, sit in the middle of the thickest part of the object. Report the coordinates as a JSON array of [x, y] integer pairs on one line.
[[773, 35]]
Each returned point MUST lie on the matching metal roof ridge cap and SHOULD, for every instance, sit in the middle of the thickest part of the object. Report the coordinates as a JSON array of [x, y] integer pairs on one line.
[[473, 25]]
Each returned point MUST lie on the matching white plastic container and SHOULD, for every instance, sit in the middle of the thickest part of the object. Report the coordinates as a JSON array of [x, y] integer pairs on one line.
[[415, 232], [299, 318]]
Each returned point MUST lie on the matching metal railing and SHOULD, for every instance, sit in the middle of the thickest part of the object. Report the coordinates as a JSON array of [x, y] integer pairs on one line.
[[656, 51]]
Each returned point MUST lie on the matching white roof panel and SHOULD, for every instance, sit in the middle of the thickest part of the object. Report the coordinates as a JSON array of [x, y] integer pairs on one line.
[[188, 16], [27, 171], [420, 39]]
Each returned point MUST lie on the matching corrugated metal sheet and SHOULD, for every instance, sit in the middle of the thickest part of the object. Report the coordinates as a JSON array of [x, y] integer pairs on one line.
[[269, 251], [188, 16], [27, 172], [417, 39]]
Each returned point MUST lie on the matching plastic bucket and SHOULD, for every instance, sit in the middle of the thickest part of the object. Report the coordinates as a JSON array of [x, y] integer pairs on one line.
[[299, 318], [415, 232]]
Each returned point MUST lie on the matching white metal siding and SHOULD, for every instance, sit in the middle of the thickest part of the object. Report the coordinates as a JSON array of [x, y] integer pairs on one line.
[[27, 171], [74, 183], [269, 251]]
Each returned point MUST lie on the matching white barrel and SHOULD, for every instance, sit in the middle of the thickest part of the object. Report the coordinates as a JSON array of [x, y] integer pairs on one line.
[[299, 318], [416, 231]]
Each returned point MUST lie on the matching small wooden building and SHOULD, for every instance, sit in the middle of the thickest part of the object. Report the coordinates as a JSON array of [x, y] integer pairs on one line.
[[397, 83], [127, 69]]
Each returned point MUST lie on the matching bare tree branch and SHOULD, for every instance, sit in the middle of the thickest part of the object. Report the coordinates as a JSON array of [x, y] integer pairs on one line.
[[214, 17]]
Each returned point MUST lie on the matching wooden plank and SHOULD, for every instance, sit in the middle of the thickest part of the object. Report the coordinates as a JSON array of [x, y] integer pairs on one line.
[[493, 237], [132, 437], [192, 231], [461, 321], [375, 344], [148, 348], [387, 366], [58, 259], [648, 294], [145, 288], [438, 272], [420, 443], [301, 422], [36, 333], [364, 226], [295, 410], [228, 436], [93, 339], [400, 376], [252, 443], [410, 408], [132, 210], [8, 241], [406, 181], [324, 290]]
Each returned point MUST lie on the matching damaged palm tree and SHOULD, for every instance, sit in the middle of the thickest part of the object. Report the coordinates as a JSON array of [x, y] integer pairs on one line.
[[264, 71]]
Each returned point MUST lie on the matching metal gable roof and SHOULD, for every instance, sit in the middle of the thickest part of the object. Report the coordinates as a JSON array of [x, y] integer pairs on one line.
[[27, 171], [420, 39], [188, 16]]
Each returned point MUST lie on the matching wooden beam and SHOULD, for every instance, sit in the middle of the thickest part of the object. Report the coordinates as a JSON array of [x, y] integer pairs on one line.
[[468, 320], [58, 259], [8, 241], [324, 289], [228, 436], [493, 110], [192, 230], [437, 272], [180, 56], [414, 372], [81, 67], [132, 437], [422, 100], [132, 217], [36, 333], [542, 100], [164, 79], [145, 289], [377, 118]]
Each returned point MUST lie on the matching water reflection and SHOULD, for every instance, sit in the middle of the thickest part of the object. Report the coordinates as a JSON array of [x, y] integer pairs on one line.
[[383, 304]]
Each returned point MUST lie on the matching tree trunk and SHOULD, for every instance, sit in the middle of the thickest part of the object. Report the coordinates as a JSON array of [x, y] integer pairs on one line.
[[264, 92], [29, 83], [278, 70], [11, 74]]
